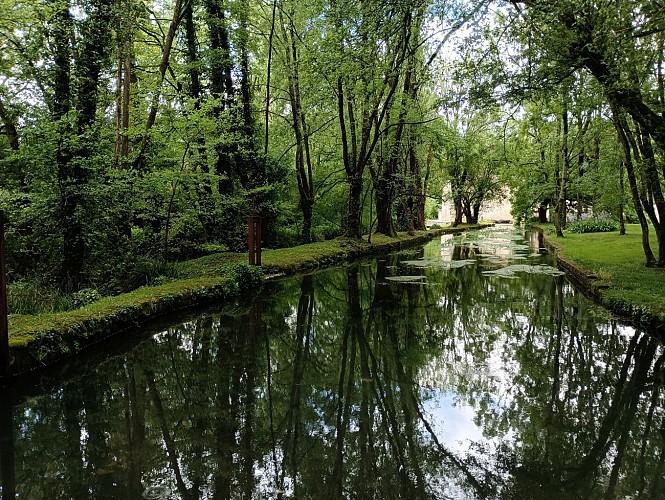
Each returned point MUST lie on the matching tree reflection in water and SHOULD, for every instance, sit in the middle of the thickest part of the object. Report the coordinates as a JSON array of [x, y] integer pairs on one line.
[[338, 385]]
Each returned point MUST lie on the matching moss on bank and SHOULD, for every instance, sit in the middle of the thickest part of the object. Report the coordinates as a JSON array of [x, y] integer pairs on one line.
[[41, 340], [612, 268]]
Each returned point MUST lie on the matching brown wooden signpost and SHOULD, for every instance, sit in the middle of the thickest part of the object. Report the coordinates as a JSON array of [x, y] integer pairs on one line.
[[4, 329], [254, 224]]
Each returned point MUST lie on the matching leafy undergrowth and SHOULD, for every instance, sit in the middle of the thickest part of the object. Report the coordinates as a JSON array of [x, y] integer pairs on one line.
[[618, 263]]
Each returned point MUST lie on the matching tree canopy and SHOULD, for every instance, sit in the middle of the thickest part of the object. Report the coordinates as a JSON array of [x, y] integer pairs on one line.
[[136, 133]]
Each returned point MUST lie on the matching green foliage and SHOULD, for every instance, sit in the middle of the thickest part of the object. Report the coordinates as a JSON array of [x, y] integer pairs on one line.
[[210, 248], [132, 271], [29, 297], [204, 170], [288, 236], [84, 297], [247, 278], [593, 225]]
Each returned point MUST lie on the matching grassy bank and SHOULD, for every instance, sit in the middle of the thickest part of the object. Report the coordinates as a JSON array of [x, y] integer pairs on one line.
[[614, 269], [40, 340]]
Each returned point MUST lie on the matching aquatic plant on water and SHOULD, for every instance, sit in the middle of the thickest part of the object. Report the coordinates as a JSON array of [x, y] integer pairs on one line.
[[509, 271]]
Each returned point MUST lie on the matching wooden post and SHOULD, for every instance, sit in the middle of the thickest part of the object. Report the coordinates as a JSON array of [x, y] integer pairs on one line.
[[4, 329], [254, 226]]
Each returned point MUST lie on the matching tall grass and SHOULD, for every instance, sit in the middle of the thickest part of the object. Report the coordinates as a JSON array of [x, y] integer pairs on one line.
[[25, 297]]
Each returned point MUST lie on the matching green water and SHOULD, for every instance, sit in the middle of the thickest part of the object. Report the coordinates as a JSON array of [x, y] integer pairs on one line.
[[455, 382]]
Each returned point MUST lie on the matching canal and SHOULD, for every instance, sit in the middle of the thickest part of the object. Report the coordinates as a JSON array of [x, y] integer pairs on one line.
[[470, 368]]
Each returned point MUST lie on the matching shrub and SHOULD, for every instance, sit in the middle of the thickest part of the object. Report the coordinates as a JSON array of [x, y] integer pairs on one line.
[[593, 225], [84, 297], [288, 236], [133, 272], [247, 278], [323, 232]]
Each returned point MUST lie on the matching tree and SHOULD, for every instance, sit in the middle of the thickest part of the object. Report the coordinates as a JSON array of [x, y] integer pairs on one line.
[[379, 32], [612, 44], [299, 121], [76, 87]]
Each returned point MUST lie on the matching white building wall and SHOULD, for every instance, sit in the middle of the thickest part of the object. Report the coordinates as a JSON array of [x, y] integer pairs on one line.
[[496, 211]]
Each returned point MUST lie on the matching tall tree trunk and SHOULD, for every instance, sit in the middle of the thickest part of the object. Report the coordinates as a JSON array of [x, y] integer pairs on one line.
[[560, 217], [421, 188], [456, 187], [139, 162], [359, 142], [622, 191], [354, 209], [582, 128], [542, 211], [466, 208], [61, 33], [581, 160], [251, 171], [304, 171], [475, 213], [637, 203], [386, 187], [124, 32], [221, 87], [71, 172], [654, 186], [384, 210], [387, 178], [245, 89], [200, 161], [269, 73], [660, 77]]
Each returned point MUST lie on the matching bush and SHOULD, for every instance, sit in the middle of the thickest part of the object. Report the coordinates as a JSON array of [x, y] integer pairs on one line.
[[287, 236], [84, 297], [593, 225], [133, 272], [324, 232], [247, 278]]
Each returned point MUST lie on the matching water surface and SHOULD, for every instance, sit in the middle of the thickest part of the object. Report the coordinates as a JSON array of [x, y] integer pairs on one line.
[[467, 369]]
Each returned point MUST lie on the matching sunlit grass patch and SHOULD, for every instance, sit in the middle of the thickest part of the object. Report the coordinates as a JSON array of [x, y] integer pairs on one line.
[[618, 263]]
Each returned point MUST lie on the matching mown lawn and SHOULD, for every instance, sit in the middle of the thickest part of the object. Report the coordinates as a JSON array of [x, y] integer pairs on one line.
[[619, 263]]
